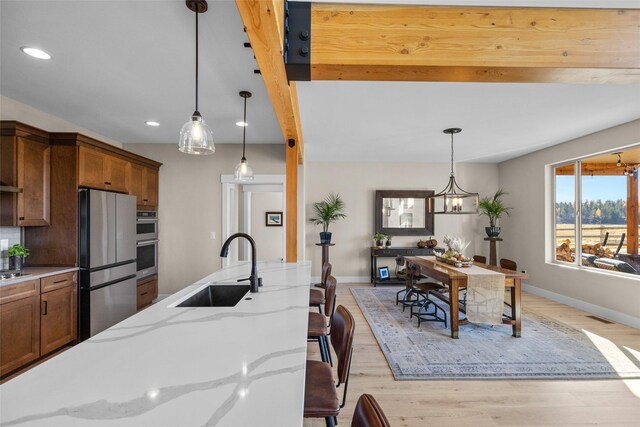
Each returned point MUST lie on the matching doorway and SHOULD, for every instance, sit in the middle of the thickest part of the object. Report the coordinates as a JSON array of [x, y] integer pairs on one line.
[[244, 209]]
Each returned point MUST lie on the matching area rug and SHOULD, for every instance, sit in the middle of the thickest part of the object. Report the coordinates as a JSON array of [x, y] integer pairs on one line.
[[548, 349]]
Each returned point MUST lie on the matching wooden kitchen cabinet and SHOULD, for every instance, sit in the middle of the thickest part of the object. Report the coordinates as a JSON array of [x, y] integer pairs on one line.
[[37, 317], [102, 171], [19, 325], [143, 183], [147, 291], [58, 312], [25, 176]]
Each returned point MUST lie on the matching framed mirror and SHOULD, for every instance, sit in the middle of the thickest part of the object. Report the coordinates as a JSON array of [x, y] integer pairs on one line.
[[403, 213]]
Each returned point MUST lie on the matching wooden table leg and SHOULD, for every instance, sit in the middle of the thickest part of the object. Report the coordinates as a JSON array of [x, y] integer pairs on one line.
[[453, 305], [516, 297]]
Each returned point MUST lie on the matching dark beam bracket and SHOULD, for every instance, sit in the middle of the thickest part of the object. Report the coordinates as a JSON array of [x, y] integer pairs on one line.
[[297, 40]]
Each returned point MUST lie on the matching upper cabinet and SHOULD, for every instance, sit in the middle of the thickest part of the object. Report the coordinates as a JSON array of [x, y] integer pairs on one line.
[[100, 170], [143, 183], [25, 176]]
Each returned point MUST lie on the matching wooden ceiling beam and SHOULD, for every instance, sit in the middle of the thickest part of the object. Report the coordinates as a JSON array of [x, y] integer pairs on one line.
[[474, 44], [264, 23]]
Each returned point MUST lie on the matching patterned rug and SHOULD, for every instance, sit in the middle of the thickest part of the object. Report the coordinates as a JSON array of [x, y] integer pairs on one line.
[[547, 349]]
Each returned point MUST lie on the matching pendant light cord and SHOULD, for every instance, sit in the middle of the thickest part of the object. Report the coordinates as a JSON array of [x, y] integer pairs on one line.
[[244, 128], [196, 59], [452, 154]]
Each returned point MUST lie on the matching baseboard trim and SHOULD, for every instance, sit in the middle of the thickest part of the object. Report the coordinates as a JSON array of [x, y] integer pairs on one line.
[[345, 279], [622, 318]]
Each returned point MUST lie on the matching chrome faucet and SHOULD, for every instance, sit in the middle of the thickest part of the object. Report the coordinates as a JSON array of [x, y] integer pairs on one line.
[[254, 280]]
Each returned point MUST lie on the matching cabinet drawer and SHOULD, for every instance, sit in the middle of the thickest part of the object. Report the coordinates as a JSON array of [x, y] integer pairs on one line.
[[19, 290], [58, 281], [147, 292]]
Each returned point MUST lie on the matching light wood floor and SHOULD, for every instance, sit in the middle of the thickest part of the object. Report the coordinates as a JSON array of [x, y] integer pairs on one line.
[[494, 402]]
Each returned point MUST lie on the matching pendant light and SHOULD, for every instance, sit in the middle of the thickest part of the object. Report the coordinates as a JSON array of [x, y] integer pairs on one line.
[[453, 199], [243, 170], [195, 136]]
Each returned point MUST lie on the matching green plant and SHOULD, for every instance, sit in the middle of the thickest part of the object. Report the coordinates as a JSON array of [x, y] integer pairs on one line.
[[493, 207], [379, 236], [328, 211], [18, 250]]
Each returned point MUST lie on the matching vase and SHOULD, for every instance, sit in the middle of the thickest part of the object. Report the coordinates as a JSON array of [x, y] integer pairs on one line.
[[492, 231], [15, 263], [325, 237], [388, 243]]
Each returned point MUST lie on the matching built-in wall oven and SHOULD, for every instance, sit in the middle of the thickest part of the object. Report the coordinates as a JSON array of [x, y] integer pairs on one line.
[[147, 243]]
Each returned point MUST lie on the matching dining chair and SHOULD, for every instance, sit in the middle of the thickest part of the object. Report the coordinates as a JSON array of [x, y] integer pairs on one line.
[[321, 398], [316, 296], [480, 259], [368, 413], [508, 264], [317, 328]]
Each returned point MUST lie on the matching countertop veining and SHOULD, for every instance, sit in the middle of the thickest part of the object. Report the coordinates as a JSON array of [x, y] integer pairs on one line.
[[165, 366]]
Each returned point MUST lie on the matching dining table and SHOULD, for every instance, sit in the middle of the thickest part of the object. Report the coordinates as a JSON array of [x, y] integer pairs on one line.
[[455, 279]]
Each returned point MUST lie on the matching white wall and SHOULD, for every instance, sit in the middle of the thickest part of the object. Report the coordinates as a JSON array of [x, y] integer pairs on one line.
[[268, 239], [11, 109], [604, 294], [357, 182], [191, 205]]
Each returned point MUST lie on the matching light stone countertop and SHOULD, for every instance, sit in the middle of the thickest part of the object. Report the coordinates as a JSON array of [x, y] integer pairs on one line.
[[37, 273], [236, 366]]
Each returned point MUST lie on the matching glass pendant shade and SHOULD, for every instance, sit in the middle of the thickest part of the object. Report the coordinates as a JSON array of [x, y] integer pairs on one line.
[[244, 172], [196, 137], [453, 199]]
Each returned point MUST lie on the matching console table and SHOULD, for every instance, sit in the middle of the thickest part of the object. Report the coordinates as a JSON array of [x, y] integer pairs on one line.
[[392, 252]]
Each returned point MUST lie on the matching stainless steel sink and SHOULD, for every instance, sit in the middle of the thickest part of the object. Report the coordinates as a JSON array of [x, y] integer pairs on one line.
[[216, 296]]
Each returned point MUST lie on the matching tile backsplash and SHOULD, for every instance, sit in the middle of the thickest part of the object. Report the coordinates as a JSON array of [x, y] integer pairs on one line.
[[8, 236]]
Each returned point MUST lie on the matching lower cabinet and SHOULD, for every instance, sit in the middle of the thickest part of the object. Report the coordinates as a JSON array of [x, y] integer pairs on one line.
[[36, 318], [147, 291]]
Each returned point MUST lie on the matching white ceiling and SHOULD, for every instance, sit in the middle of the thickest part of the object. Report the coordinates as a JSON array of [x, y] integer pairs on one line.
[[118, 63], [403, 122]]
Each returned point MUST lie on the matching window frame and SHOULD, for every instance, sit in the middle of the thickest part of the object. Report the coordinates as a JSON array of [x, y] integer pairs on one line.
[[552, 243]]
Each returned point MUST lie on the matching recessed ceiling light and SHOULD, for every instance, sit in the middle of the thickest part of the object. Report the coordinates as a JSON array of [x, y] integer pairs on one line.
[[242, 124], [35, 52], [152, 123]]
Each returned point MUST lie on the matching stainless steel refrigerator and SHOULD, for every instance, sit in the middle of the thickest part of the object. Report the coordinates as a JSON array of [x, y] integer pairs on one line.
[[107, 261]]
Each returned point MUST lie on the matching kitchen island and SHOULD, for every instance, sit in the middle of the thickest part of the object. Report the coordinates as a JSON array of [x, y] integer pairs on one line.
[[170, 366]]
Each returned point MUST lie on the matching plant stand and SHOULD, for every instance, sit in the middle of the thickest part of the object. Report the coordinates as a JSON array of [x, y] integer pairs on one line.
[[325, 258], [492, 249]]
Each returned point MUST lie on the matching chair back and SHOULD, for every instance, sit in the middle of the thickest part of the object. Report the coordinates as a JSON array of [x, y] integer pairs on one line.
[[368, 413], [342, 330], [326, 272], [508, 264], [480, 259], [330, 296]]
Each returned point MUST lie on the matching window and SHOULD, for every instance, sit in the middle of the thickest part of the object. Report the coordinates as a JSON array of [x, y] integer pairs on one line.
[[606, 222]]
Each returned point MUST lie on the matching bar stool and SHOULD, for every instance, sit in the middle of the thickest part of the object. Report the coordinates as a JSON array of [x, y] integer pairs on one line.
[[320, 391], [368, 413], [423, 303], [316, 296], [317, 327]]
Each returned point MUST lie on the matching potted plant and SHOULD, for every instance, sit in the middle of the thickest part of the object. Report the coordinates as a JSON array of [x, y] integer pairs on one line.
[[388, 242], [326, 212], [379, 238], [17, 254], [494, 208]]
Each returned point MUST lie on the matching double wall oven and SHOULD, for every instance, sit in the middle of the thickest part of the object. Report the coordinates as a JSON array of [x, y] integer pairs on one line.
[[147, 243]]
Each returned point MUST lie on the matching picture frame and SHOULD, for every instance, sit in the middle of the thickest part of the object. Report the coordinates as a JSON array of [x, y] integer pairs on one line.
[[383, 273], [273, 219]]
